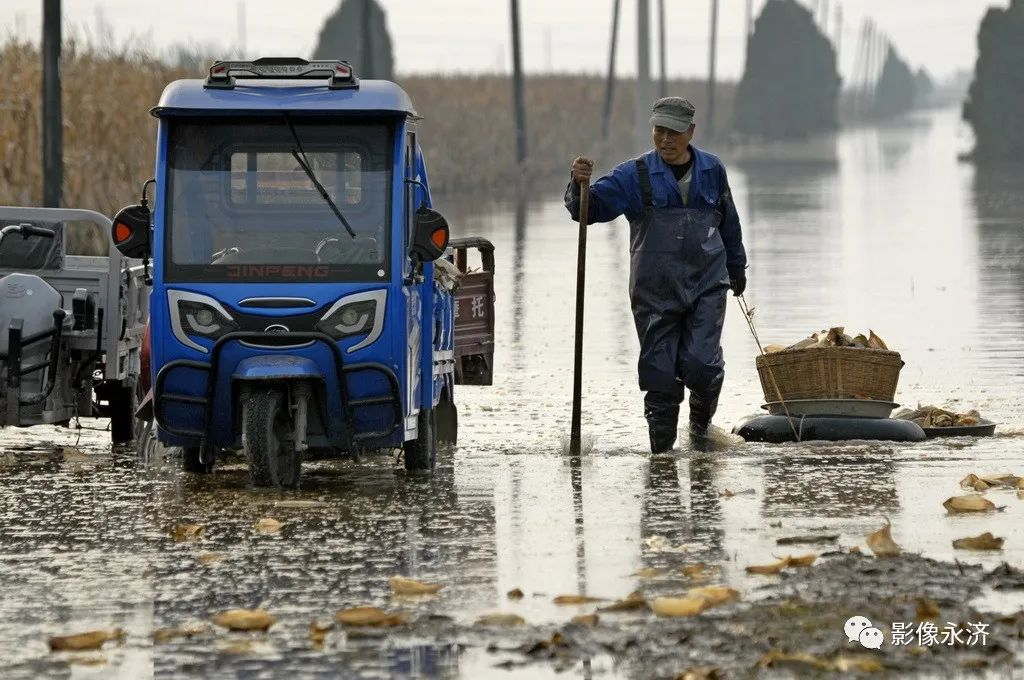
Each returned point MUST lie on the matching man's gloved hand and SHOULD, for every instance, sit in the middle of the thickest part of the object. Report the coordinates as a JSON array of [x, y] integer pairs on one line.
[[738, 283]]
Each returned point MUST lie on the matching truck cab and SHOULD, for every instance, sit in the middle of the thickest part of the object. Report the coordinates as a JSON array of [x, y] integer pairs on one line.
[[295, 308]]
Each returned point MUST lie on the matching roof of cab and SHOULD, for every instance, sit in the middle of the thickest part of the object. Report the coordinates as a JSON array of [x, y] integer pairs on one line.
[[190, 97]]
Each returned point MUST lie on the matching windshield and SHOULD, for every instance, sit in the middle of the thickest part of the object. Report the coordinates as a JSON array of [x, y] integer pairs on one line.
[[241, 208]]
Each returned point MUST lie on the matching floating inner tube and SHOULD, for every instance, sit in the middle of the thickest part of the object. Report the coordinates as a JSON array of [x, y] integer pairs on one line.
[[777, 429]]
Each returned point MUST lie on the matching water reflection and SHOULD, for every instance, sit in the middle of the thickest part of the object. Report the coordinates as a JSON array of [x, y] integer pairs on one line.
[[100, 554], [898, 138], [662, 513], [517, 296], [830, 484], [999, 206], [424, 661], [791, 225], [665, 513], [706, 506], [576, 479]]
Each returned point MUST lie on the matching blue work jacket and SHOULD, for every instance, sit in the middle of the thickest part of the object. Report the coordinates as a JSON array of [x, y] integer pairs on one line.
[[618, 193]]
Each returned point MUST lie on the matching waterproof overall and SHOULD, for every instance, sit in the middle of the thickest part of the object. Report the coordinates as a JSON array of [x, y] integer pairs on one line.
[[677, 286]]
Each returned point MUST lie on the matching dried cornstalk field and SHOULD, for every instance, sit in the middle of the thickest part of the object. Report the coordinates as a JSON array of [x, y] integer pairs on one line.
[[109, 135], [467, 129], [469, 133]]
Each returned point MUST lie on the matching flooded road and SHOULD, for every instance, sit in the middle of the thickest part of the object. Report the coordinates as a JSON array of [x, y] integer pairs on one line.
[[878, 228]]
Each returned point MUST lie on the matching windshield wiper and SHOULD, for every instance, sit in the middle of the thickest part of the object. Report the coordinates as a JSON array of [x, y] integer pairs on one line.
[[300, 158]]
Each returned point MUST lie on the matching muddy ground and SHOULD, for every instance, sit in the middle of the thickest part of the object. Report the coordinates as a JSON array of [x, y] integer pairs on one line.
[[95, 549]]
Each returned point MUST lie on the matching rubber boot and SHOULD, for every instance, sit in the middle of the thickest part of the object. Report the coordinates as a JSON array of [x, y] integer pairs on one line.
[[662, 414], [662, 439], [702, 408]]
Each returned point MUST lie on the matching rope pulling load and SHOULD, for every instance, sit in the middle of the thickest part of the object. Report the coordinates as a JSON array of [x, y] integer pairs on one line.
[[748, 315]]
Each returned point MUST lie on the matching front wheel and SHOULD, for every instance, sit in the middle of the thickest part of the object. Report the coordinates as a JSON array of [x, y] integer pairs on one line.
[[272, 460], [421, 452]]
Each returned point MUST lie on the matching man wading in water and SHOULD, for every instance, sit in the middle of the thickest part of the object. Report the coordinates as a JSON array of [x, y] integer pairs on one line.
[[686, 252]]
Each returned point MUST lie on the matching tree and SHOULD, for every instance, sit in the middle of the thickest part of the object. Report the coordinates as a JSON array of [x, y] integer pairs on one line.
[[896, 89], [995, 104], [790, 85], [343, 33]]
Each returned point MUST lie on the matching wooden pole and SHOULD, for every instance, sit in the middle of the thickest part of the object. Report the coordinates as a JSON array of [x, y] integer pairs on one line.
[[577, 366], [609, 87], [366, 68], [643, 99], [709, 125], [53, 117], [663, 83], [517, 88]]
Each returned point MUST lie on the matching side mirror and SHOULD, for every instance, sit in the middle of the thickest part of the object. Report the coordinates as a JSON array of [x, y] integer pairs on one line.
[[130, 231], [429, 236]]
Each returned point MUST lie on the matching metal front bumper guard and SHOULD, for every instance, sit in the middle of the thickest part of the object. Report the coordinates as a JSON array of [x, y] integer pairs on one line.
[[12, 362], [348, 405]]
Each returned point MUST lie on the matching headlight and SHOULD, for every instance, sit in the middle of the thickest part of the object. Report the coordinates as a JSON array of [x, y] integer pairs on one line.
[[357, 314], [199, 319], [193, 314], [352, 319]]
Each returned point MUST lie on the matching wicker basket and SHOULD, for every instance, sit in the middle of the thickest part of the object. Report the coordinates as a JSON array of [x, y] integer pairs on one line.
[[830, 373]]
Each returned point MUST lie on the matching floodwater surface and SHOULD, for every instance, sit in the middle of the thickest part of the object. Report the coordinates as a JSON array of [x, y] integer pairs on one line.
[[876, 228]]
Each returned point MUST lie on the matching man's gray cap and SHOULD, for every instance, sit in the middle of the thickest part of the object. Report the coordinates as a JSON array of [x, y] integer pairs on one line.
[[674, 113]]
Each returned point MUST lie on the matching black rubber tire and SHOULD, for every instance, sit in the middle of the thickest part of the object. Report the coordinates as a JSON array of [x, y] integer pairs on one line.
[[778, 429], [272, 463], [121, 399], [447, 419], [420, 453], [190, 461], [141, 429]]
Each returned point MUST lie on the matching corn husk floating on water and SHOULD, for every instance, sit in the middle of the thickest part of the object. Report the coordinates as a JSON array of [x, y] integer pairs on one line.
[[933, 416], [244, 619], [833, 337], [971, 503], [985, 541], [84, 641]]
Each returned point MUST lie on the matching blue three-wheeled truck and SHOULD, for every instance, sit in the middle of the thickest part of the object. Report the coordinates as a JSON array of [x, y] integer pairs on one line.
[[297, 309]]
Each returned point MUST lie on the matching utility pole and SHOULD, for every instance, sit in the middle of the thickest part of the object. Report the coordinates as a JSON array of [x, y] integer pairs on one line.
[[663, 84], [872, 59], [748, 28], [517, 88], [240, 27], [366, 68], [53, 117], [710, 125], [609, 87], [839, 33], [859, 67], [642, 111]]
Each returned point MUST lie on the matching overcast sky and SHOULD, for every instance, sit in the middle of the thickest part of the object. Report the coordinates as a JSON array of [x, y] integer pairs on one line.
[[472, 35]]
